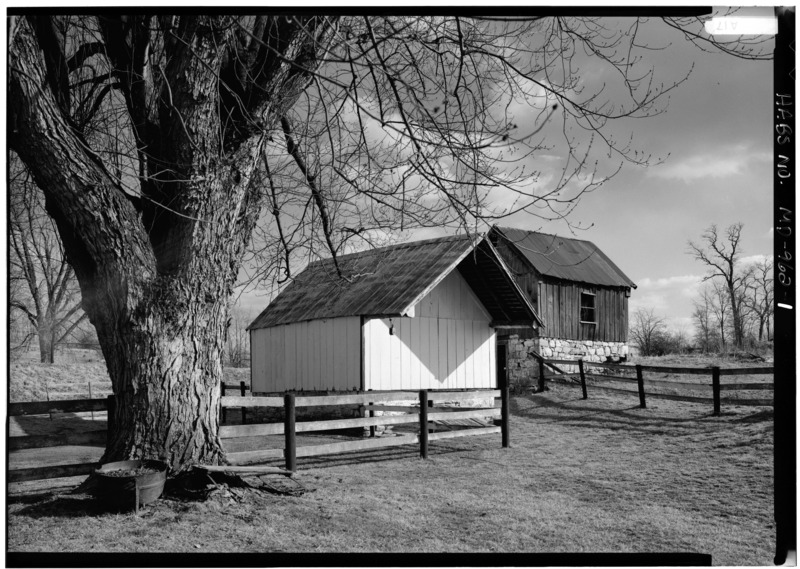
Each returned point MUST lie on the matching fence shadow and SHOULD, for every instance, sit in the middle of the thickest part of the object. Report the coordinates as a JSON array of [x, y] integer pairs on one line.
[[577, 411], [388, 454], [28, 425], [47, 505]]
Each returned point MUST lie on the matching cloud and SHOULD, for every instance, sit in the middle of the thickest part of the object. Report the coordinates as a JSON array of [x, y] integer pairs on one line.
[[753, 259], [668, 297], [722, 162], [681, 282]]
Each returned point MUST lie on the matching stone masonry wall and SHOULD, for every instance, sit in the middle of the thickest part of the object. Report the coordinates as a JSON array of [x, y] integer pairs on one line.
[[523, 369]]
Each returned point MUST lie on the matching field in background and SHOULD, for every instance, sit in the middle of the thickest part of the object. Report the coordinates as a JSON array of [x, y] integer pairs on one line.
[[599, 475], [71, 374]]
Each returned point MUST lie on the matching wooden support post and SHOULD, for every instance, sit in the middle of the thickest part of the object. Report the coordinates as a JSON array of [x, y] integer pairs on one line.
[[423, 423], [371, 427], [243, 388], [583, 378], [223, 416], [715, 387], [541, 373], [371, 414], [640, 381], [504, 414], [111, 417], [290, 450], [90, 396]]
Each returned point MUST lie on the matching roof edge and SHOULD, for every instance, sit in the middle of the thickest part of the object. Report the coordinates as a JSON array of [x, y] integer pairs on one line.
[[606, 258], [443, 274], [513, 282]]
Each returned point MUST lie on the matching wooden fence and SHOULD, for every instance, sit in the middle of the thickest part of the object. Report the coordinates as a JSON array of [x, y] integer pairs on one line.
[[421, 414], [370, 403], [715, 385], [243, 389], [98, 437]]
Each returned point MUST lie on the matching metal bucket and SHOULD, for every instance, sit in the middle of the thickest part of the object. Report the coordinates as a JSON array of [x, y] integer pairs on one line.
[[139, 490]]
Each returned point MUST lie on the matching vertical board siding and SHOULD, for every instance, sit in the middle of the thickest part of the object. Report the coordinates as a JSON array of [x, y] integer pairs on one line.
[[316, 355], [446, 345], [428, 353], [560, 308]]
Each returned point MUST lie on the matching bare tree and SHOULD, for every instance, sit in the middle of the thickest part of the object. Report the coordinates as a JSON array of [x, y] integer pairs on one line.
[[237, 341], [159, 140], [648, 331], [721, 255], [759, 296], [705, 327], [43, 287], [712, 317]]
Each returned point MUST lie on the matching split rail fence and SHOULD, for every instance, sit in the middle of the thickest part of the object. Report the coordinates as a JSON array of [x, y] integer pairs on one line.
[[716, 386], [421, 414]]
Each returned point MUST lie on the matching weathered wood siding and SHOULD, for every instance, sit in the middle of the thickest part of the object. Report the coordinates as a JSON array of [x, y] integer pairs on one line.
[[447, 344], [313, 355], [560, 306]]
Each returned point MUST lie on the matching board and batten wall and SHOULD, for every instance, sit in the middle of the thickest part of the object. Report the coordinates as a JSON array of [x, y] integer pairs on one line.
[[559, 307], [447, 344], [317, 355]]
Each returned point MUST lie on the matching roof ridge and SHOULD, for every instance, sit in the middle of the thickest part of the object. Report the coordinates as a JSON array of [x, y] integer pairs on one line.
[[556, 256], [548, 234], [395, 247]]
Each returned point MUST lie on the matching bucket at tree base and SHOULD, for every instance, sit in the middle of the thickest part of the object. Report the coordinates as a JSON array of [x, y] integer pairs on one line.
[[131, 483]]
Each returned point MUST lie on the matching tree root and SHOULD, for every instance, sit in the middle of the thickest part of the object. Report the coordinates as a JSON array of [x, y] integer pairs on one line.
[[200, 484]]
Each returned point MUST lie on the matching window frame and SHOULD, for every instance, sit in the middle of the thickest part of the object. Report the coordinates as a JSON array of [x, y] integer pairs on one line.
[[593, 307]]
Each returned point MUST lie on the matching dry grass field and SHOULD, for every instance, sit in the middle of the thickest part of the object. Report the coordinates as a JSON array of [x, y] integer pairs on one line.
[[599, 475]]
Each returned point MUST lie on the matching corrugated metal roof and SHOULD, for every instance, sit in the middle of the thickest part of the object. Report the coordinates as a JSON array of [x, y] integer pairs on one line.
[[566, 259], [385, 281]]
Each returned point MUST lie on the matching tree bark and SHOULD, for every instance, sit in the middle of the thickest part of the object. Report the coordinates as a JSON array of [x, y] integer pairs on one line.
[[46, 345], [155, 286]]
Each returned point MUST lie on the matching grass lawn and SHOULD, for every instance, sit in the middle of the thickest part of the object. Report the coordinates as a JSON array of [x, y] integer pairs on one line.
[[599, 475]]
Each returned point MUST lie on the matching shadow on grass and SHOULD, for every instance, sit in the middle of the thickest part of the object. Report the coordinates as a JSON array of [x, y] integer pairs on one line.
[[64, 423], [578, 411], [47, 505], [379, 455]]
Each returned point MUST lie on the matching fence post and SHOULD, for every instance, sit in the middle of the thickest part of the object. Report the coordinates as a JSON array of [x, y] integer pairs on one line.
[[715, 387], [640, 380], [541, 372], [290, 450], [90, 396], [244, 409], [504, 414], [371, 413], [222, 394], [583, 378], [47, 394], [111, 417], [423, 423]]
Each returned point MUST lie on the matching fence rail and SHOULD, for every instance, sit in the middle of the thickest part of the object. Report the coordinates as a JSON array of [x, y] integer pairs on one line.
[[421, 413], [369, 403], [714, 372]]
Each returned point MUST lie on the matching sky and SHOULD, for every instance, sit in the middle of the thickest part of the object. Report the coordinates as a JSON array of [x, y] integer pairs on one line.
[[714, 136]]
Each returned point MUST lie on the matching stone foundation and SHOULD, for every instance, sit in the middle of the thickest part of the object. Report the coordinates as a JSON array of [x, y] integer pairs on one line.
[[524, 370]]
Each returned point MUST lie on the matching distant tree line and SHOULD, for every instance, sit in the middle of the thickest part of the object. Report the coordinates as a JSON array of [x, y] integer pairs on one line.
[[734, 309], [735, 306], [650, 334]]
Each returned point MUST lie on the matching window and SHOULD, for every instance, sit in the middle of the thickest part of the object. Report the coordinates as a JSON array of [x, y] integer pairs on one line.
[[587, 308]]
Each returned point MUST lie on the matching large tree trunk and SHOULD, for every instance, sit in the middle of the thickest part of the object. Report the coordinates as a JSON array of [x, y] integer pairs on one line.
[[165, 367], [155, 277]]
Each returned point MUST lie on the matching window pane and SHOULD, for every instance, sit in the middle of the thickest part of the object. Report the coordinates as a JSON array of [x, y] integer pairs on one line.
[[587, 307]]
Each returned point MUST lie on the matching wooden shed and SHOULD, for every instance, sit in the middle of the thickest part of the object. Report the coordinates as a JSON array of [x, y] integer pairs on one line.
[[420, 315], [580, 294]]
